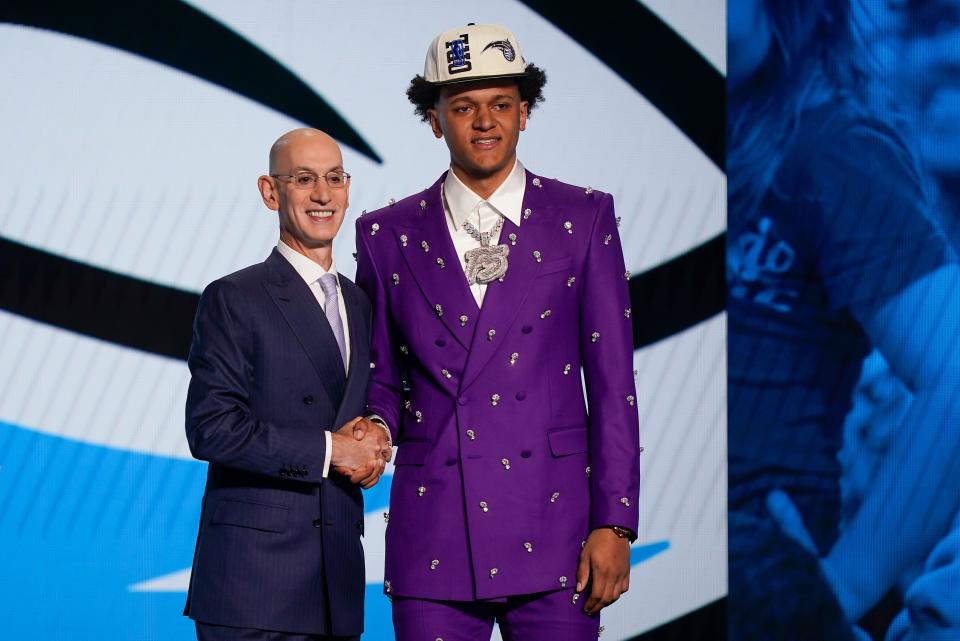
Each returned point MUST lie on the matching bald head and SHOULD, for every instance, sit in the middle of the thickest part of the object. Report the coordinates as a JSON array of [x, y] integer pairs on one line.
[[289, 146]]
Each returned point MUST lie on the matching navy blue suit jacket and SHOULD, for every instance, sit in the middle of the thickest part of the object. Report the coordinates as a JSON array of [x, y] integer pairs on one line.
[[279, 546]]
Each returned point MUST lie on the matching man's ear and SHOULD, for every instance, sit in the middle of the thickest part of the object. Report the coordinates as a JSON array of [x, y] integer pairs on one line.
[[524, 107], [434, 123], [268, 191]]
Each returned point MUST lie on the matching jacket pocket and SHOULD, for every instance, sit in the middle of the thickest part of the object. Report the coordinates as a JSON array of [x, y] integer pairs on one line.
[[568, 440], [257, 516], [412, 452], [554, 266]]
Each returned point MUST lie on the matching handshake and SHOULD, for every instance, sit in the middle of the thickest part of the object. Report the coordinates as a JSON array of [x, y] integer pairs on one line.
[[361, 451]]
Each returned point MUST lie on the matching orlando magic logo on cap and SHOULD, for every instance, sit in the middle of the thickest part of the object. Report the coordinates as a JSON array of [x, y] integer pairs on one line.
[[449, 58]]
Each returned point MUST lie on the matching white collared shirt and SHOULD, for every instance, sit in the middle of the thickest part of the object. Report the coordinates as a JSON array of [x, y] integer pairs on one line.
[[311, 272], [461, 204]]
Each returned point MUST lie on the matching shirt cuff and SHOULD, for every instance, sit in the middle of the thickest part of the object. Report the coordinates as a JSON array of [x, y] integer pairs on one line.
[[327, 453]]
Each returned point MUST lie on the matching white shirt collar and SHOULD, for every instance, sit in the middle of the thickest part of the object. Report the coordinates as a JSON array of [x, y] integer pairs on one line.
[[507, 200], [309, 271]]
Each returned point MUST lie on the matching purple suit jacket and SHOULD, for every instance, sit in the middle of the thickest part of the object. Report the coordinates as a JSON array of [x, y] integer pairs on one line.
[[501, 471]]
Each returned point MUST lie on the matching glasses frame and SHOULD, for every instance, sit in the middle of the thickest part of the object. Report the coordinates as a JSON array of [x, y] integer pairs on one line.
[[292, 178]]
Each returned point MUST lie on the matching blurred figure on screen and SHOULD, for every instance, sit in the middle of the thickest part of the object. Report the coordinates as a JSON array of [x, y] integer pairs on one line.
[[831, 251]]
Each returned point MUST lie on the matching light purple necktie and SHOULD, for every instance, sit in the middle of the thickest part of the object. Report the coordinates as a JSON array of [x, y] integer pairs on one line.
[[328, 283]]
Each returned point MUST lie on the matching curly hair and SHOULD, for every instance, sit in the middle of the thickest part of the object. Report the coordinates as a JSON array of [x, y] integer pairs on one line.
[[424, 95]]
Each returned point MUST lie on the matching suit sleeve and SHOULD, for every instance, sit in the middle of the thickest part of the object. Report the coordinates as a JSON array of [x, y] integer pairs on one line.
[[385, 387], [607, 346], [221, 428]]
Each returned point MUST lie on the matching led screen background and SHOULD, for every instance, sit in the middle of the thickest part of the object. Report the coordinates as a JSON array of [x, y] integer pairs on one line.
[[134, 134]]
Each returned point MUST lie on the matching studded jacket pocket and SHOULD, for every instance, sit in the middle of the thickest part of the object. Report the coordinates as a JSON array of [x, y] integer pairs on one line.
[[412, 452], [568, 440], [257, 516], [553, 266]]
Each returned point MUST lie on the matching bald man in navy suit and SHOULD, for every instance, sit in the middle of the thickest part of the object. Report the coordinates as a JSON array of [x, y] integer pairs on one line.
[[280, 370]]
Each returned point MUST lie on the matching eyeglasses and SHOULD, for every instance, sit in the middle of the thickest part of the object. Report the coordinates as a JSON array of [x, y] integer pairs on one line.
[[308, 179]]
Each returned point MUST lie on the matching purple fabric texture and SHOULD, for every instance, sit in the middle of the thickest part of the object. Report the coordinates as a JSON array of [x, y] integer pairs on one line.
[[553, 616], [501, 472]]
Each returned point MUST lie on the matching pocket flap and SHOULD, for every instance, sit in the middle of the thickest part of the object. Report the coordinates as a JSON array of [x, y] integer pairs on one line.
[[412, 452], [258, 516], [553, 266], [568, 440]]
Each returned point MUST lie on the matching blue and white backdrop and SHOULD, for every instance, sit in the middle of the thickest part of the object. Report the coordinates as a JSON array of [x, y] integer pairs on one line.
[[133, 133]]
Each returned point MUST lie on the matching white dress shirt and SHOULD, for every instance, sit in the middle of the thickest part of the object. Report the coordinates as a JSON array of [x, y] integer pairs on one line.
[[462, 205], [311, 272]]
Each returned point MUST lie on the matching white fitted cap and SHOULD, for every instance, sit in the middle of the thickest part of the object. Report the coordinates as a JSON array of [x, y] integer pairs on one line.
[[473, 52]]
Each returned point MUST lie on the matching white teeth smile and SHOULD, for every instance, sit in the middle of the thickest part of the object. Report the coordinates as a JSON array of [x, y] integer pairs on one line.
[[485, 141], [319, 215]]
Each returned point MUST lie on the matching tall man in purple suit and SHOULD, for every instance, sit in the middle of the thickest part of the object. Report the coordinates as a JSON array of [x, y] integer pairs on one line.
[[513, 500], [279, 360]]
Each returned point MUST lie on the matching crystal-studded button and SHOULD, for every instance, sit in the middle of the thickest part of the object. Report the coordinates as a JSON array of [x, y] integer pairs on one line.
[[421, 490], [631, 400], [484, 506], [545, 314], [568, 226], [396, 279], [438, 308], [374, 228], [471, 435], [537, 256], [514, 357], [419, 416], [594, 337], [403, 239], [573, 599], [588, 191], [587, 471], [441, 263], [463, 320], [494, 399], [536, 182], [526, 213], [625, 501], [627, 313], [387, 587], [566, 369], [626, 275], [493, 572], [571, 281], [505, 462], [425, 246], [434, 563], [490, 334], [554, 497], [563, 581], [423, 204], [446, 373], [607, 239], [513, 238], [528, 546], [404, 349], [392, 202]]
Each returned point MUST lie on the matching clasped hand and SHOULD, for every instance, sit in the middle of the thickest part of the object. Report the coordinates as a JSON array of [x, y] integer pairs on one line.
[[360, 451]]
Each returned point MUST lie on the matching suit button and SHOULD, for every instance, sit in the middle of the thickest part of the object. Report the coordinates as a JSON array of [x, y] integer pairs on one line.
[[308, 400], [317, 522], [463, 400], [521, 395], [526, 329], [440, 342]]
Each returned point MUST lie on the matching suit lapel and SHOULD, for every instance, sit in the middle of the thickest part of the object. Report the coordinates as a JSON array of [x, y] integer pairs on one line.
[[503, 301], [306, 319], [427, 240], [359, 349]]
